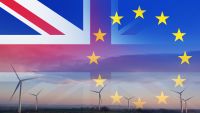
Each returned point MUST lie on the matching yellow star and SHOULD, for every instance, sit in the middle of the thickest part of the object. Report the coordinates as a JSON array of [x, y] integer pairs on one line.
[[162, 19], [179, 35], [93, 58], [116, 18], [99, 35], [100, 81], [139, 104], [162, 98], [116, 98], [139, 12], [179, 81], [185, 58]]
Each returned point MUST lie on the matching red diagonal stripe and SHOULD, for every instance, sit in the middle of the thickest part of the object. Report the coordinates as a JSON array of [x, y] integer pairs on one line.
[[31, 17]]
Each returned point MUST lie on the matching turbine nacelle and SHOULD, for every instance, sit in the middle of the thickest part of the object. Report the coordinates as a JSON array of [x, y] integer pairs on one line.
[[36, 93], [128, 98], [99, 90], [180, 93]]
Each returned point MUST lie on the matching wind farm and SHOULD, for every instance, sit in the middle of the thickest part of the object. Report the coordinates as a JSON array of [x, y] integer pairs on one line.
[[103, 98], [94, 56], [96, 96], [118, 104]]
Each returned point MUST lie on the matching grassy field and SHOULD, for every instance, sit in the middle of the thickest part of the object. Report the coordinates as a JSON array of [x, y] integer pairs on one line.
[[106, 110]]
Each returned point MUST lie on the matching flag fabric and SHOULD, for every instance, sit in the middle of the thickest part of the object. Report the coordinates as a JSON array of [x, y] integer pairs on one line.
[[39, 21], [135, 36], [145, 46]]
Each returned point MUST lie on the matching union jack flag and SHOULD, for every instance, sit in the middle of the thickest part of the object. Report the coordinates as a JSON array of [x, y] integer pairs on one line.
[[51, 20]]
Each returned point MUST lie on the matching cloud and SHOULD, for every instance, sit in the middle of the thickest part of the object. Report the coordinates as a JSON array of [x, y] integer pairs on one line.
[[140, 63], [47, 60], [63, 77], [150, 62]]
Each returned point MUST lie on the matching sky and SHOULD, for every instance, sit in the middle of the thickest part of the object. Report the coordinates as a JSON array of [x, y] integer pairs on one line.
[[72, 88], [139, 57]]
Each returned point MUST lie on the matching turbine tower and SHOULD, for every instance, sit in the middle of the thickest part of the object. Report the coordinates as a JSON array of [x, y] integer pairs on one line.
[[36, 99], [100, 99], [19, 85], [128, 100], [185, 101], [180, 96]]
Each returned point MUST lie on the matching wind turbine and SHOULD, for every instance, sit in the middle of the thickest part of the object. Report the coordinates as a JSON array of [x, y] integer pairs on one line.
[[100, 99], [185, 101], [19, 85], [180, 95], [36, 99], [128, 100]]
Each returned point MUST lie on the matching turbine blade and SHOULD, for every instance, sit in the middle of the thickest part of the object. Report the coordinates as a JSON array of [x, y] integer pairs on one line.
[[39, 92], [126, 98], [94, 91], [15, 90], [131, 98], [174, 91], [15, 72], [182, 91], [102, 88], [29, 79], [189, 98], [32, 94]]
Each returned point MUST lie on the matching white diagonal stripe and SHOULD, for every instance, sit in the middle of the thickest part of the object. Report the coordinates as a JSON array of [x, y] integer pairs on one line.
[[21, 18], [50, 17]]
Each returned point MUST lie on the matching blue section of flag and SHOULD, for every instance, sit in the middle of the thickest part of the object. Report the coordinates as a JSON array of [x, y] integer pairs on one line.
[[184, 14], [71, 10], [10, 25]]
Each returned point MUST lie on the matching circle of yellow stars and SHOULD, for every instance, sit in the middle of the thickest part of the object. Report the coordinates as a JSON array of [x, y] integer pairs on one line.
[[162, 19]]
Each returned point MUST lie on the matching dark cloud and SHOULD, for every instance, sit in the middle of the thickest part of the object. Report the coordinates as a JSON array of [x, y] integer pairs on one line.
[[123, 63], [142, 63]]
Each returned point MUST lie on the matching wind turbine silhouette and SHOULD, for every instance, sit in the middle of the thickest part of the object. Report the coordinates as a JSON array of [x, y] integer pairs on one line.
[[180, 96], [185, 101], [128, 100], [36, 99], [100, 99], [19, 85]]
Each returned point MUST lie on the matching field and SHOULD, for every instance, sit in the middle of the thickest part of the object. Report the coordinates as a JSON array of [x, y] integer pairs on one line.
[[92, 110]]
